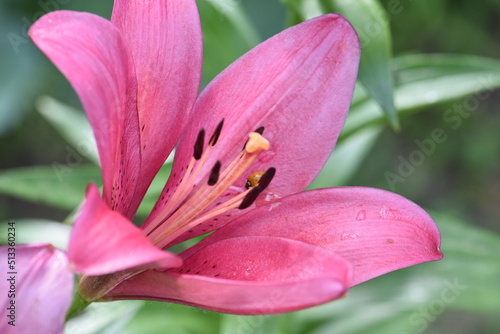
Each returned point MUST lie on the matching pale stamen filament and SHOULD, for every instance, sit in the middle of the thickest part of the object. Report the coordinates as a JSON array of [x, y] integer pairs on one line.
[[184, 188], [207, 194], [233, 203], [186, 184]]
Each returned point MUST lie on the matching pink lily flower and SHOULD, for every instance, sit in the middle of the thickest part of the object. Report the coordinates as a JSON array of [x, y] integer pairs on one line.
[[271, 120]]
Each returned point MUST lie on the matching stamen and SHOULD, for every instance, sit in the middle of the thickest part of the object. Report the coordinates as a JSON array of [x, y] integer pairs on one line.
[[260, 130], [266, 178], [191, 203], [214, 174], [256, 142], [198, 145], [250, 197], [216, 134], [254, 192]]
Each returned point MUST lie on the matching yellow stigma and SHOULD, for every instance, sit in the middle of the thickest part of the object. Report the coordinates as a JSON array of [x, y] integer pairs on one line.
[[256, 143]]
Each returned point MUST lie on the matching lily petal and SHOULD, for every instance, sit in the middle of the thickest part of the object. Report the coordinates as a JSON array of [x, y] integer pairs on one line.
[[103, 241], [375, 230], [39, 291], [167, 53], [247, 275], [298, 85], [91, 52]]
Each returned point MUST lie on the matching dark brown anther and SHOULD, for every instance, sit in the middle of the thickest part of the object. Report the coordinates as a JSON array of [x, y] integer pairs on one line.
[[216, 134], [214, 174], [250, 197], [198, 145], [260, 130], [266, 178]]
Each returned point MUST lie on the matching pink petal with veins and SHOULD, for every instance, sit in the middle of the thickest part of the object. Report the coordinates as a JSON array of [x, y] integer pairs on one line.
[[246, 275], [165, 42], [93, 55], [103, 241], [375, 230]]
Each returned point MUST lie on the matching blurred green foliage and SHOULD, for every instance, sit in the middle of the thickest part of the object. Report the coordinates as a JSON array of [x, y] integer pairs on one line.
[[446, 73]]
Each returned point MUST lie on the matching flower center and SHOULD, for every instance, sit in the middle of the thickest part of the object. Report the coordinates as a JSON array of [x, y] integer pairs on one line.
[[187, 206]]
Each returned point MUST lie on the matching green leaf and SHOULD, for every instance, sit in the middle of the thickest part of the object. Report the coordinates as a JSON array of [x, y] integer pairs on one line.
[[104, 318], [254, 324], [303, 9], [227, 34], [472, 257], [371, 22], [160, 318], [346, 158], [63, 186], [428, 80], [20, 67], [416, 67], [59, 185], [72, 124]]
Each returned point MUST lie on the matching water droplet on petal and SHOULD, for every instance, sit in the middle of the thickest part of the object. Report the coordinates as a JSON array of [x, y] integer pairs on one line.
[[266, 156], [346, 236], [272, 196], [385, 212], [267, 197], [361, 215]]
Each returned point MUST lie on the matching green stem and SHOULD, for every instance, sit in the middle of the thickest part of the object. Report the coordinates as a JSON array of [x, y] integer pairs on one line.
[[79, 304]]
